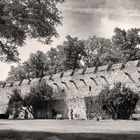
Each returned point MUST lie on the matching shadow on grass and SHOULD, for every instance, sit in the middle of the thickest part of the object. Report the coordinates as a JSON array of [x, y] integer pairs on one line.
[[19, 135]]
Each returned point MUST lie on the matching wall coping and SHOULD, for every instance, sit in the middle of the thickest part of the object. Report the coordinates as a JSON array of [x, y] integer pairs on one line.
[[83, 71]]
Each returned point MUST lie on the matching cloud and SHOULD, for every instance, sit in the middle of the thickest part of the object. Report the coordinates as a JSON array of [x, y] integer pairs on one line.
[[129, 8], [119, 11], [128, 4]]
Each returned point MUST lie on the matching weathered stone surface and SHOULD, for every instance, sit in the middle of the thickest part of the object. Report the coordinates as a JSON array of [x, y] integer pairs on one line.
[[17, 83], [34, 82], [116, 66], [102, 68], [56, 76], [68, 73], [8, 85], [132, 64], [89, 70], [25, 82], [79, 72], [73, 90]]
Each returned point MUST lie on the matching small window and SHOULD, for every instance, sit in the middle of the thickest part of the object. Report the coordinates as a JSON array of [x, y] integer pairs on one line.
[[89, 88]]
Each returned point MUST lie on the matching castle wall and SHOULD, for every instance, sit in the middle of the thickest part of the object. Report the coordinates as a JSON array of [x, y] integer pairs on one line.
[[80, 86], [83, 83]]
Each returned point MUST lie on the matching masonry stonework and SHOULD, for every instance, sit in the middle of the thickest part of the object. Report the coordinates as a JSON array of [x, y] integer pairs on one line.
[[71, 87]]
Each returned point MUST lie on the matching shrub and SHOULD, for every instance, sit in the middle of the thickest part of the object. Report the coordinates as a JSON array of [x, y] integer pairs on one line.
[[93, 108], [15, 104], [118, 102], [37, 98]]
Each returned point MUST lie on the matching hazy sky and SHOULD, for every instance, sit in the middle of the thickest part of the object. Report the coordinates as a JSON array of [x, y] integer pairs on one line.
[[84, 18]]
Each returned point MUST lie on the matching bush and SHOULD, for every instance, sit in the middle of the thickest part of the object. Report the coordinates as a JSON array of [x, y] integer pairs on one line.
[[93, 109], [15, 104], [38, 97], [119, 102]]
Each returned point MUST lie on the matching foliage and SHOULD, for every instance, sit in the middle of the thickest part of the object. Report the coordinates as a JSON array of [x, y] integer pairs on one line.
[[66, 56], [55, 60], [2, 82], [20, 19], [70, 53], [122, 48], [93, 108], [126, 44], [15, 103], [37, 98], [16, 74], [75, 53], [38, 64], [118, 102], [35, 67], [99, 51]]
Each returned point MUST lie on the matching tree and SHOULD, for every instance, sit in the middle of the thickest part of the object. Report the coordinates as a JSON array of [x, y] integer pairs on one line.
[[66, 56], [16, 73], [2, 82], [72, 52], [37, 98], [38, 64], [20, 19], [27, 70], [57, 58], [15, 104], [99, 51], [126, 44], [53, 60], [118, 102], [35, 67]]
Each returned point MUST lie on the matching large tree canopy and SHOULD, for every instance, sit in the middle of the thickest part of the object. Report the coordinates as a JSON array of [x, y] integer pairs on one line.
[[36, 66], [20, 19], [99, 51], [74, 53], [126, 44], [66, 56]]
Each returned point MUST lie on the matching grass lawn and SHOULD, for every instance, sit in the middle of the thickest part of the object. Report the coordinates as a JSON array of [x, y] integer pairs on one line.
[[69, 130]]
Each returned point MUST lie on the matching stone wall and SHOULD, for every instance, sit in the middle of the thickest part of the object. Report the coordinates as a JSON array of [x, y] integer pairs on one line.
[[74, 86], [92, 82]]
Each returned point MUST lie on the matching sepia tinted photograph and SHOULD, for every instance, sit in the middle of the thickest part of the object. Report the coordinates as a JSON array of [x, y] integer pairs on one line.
[[69, 69]]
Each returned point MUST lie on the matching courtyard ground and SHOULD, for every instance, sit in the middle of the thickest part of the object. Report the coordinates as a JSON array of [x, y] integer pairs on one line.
[[69, 130]]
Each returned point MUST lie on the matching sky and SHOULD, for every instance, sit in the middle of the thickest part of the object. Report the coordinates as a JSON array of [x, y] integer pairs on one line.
[[84, 18]]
